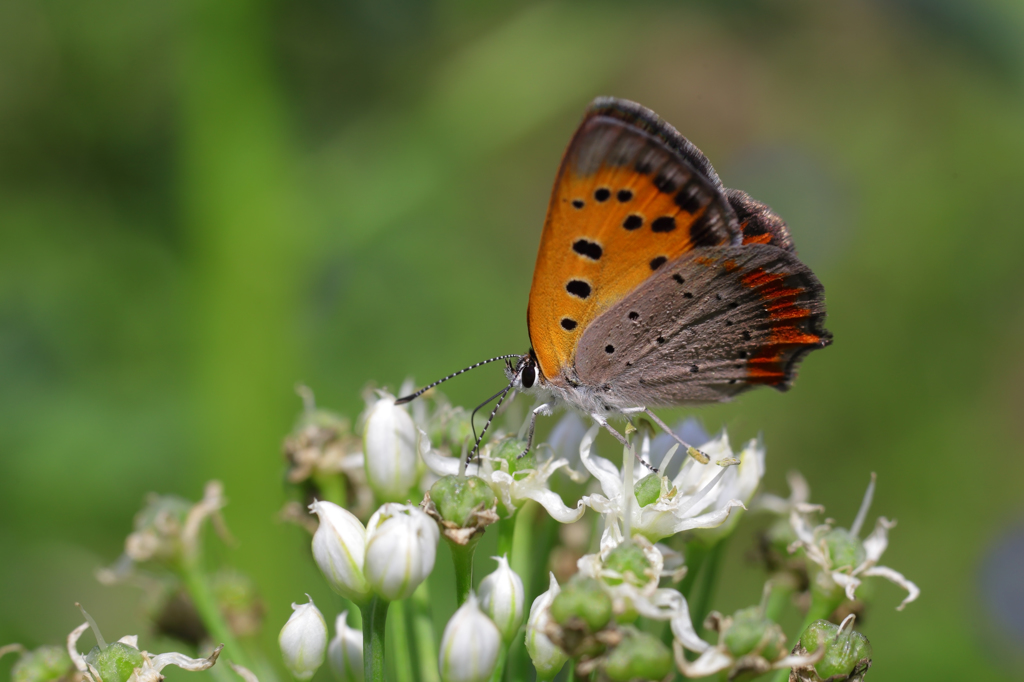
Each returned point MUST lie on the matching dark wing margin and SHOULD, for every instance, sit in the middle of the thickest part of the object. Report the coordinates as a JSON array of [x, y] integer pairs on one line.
[[643, 118]]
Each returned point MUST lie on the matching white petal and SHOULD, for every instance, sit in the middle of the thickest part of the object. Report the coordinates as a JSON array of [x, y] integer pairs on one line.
[[710, 662], [709, 520], [435, 461], [847, 582], [606, 473], [339, 546], [161, 661], [876, 543], [913, 592], [546, 657], [683, 631], [469, 645], [552, 502]]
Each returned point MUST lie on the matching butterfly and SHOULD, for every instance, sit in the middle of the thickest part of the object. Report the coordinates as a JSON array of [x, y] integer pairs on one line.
[[655, 285]]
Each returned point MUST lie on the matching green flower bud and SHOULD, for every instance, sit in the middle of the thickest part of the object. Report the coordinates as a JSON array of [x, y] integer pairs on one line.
[[583, 598], [509, 450], [752, 632], [844, 548], [44, 664], [639, 656], [116, 662], [627, 558], [648, 489], [458, 497], [847, 653]]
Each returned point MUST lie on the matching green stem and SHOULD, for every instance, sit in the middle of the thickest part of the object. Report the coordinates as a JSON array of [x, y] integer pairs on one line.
[[778, 599], [375, 615], [462, 557], [202, 597], [694, 554], [522, 551], [506, 535], [331, 487], [499, 669], [401, 649], [701, 604], [423, 634]]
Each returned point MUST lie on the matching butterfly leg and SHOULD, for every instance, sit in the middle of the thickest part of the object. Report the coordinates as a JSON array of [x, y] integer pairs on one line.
[[690, 450], [619, 437], [544, 409]]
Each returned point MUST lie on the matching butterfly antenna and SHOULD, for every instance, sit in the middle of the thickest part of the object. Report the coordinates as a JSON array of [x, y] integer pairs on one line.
[[500, 395], [417, 394]]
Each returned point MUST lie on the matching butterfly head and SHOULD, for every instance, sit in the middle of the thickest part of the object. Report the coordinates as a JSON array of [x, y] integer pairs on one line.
[[525, 374]]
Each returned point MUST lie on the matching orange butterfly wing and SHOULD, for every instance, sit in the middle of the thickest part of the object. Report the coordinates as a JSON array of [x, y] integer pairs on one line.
[[631, 194]]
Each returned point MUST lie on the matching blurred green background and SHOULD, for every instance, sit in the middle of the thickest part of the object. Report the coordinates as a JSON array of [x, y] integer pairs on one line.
[[202, 203]]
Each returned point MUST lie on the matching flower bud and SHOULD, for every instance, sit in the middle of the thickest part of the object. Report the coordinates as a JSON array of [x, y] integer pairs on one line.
[[547, 658], [345, 652], [339, 547], [847, 653], [303, 640], [401, 544], [469, 645], [501, 595], [389, 450], [45, 664], [641, 656]]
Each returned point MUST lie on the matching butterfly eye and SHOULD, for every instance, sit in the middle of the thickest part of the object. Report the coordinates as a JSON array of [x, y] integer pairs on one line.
[[529, 376]]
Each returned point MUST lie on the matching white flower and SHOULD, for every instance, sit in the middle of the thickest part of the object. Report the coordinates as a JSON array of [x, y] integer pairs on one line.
[[501, 595], [345, 652], [389, 449], [841, 555], [634, 594], [693, 499], [547, 658], [401, 545], [303, 640], [469, 645], [339, 548], [511, 489], [150, 666]]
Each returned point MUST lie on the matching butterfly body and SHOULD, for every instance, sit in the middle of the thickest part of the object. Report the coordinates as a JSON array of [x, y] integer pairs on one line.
[[655, 285]]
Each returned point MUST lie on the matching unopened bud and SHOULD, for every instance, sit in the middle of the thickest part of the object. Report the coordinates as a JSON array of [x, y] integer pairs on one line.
[[583, 599], [469, 645], [303, 640], [501, 595], [401, 545], [345, 652], [339, 547], [460, 499], [389, 450], [751, 632], [547, 658]]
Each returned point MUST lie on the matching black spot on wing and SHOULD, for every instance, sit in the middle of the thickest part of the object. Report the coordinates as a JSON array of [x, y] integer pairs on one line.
[[578, 288], [577, 203], [665, 223], [633, 222], [658, 262], [588, 249], [624, 195], [568, 324], [602, 194]]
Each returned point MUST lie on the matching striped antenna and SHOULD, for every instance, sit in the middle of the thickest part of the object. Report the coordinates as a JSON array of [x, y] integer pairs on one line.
[[417, 394], [500, 395]]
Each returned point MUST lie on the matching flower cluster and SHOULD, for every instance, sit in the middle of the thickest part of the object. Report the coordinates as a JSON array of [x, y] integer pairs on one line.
[[628, 597]]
